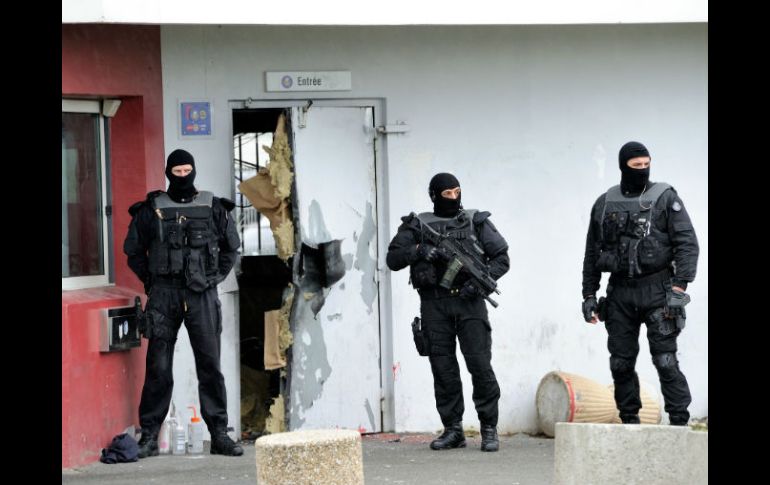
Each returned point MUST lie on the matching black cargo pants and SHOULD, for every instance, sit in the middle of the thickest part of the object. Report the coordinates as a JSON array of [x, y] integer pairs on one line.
[[447, 320], [167, 307], [630, 303]]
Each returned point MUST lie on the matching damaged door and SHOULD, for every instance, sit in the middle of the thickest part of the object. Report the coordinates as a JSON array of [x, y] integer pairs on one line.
[[335, 373]]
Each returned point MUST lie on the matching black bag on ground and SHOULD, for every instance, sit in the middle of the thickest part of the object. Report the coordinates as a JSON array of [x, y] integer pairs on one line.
[[123, 449]]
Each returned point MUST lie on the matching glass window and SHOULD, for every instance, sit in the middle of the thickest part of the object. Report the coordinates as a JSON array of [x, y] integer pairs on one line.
[[84, 224], [249, 157]]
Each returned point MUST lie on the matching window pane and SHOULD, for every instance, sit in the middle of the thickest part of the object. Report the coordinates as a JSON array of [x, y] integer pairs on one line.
[[82, 251], [256, 235]]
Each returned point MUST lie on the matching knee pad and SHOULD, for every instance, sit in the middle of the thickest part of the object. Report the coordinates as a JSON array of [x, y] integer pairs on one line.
[[666, 364], [666, 360], [621, 366]]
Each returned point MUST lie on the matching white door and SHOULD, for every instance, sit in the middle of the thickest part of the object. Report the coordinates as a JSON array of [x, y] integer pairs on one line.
[[335, 374]]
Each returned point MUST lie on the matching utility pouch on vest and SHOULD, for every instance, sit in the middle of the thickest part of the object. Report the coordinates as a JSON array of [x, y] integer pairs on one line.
[[450, 274], [608, 261], [423, 274], [212, 265], [176, 260], [174, 236], [197, 232], [159, 260], [174, 239], [195, 275]]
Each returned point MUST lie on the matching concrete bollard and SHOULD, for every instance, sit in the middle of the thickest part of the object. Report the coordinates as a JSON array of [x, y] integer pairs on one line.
[[599, 454], [310, 457]]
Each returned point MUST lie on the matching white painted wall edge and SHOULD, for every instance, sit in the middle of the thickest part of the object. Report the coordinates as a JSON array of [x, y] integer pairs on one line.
[[394, 12]]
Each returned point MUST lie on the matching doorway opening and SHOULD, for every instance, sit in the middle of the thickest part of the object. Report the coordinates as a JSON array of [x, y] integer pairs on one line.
[[336, 368], [263, 279]]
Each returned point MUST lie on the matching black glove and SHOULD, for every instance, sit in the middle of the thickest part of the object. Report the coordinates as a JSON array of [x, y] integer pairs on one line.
[[589, 307], [430, 253], [217, 279], [470, 291], [601, 309], [675, 303]]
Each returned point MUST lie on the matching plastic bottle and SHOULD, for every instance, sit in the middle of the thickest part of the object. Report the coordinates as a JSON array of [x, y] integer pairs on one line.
[[164, 436], [177, 436], [195, 434]]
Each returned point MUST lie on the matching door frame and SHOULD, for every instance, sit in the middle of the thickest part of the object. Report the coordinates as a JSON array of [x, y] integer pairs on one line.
[[382, 197]]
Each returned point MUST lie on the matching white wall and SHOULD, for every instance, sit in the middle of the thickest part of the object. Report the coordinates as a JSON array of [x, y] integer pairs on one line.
[[354, 12], [530, 120]]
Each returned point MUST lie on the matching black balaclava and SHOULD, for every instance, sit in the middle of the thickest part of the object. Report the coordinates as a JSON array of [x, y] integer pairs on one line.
[[442, 206], [633, 180], [180, 189]]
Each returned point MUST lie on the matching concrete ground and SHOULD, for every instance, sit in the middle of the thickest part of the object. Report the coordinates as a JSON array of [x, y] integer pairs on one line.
[[388, 459]]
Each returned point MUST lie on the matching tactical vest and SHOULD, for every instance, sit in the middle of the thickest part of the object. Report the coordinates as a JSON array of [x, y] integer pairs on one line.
[[186, 243], [631, 242], [424, 274]]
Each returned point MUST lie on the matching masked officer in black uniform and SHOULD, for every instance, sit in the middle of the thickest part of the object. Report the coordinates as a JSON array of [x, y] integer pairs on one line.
[[181, 244], [640, 233], [456, 313]]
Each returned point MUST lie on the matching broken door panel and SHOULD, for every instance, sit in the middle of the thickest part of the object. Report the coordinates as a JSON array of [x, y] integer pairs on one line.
[[335, 369]]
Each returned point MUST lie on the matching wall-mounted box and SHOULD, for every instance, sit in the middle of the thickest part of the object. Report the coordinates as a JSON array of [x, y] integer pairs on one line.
[[119, 329]]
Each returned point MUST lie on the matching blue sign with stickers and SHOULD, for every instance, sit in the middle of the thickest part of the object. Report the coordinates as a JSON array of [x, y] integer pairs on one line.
[[196, 118]]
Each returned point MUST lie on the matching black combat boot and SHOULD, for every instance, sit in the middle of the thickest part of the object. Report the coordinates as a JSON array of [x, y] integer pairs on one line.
[[221, 444], [489, 440], [629, 418], [148, 444], [452, 437], [678, 420]]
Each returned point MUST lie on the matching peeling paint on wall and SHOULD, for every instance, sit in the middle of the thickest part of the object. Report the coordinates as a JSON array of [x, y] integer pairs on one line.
[[311, 367], [319, 256], [343, 328], [316, 268], [311, 364], [348, 259], [364, 261], [370, 414], [316, 231]]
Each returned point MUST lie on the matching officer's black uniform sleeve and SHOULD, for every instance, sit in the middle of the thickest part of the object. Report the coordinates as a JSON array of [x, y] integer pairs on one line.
[[402, 250], [494, 245], [592, 277], [683, 240], [138, 240], [227, 229]]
